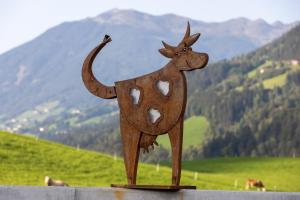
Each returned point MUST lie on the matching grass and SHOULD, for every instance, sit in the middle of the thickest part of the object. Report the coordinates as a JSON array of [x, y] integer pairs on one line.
[[271, 83], [39, 114], [26, 161], [73, 121], [194, 129], [239, 88], [253, 73], [276, 173], [98, 119], [93, 120], [295, 67], [277, 81]]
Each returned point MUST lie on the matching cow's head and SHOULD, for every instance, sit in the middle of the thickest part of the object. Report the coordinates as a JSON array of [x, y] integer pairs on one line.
[[182, 55]]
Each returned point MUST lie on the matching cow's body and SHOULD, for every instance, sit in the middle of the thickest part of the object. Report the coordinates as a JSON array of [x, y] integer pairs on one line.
[[51, 182], [250, 183], [170, 106]]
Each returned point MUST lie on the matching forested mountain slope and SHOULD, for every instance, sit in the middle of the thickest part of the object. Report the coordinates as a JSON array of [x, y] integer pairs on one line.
[[252, 102]]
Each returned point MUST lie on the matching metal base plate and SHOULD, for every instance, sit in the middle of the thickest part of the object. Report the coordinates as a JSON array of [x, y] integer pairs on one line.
[[155, 187]]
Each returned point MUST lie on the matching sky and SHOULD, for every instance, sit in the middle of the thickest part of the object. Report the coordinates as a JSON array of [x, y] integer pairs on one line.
[[23, 20]]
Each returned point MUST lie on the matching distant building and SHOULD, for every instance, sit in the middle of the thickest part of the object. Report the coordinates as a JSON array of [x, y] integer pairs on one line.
[[262, 71], [75, 111], [294, 62]]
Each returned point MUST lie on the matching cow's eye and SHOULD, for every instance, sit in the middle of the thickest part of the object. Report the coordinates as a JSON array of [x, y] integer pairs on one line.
[[184, 49]]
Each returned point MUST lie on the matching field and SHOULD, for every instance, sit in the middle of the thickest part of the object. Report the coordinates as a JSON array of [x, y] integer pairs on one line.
[[281, 174], [25, 160], [274, 81], [277, 81], [253, 73], [194, 129]]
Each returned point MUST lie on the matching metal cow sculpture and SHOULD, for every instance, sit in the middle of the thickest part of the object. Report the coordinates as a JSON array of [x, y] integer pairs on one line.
[[152, 104]]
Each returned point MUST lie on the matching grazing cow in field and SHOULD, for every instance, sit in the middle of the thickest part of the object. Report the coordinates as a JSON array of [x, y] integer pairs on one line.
[[50, 182], [152, 104], [250, 183]]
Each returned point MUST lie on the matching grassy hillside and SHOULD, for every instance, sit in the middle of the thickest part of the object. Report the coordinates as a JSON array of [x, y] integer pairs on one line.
[[276, 173], [272, 74], [25, 161], [194, 129]]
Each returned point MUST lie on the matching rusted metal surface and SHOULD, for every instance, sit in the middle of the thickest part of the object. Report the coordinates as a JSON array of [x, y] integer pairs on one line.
[[91, 83], [155, 187], [152, 104]]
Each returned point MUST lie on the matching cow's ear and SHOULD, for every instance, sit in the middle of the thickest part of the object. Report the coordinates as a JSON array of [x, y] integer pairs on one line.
[[167, 52]]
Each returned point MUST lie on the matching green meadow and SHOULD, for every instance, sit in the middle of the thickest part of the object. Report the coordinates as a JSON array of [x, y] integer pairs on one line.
[[25, 160], [277, 81], [194, 130]]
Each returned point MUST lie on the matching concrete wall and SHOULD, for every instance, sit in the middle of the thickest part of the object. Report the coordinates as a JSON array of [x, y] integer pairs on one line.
[[71, 193]]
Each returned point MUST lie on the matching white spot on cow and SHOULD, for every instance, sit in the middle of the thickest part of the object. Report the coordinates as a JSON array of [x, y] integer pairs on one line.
[[163, 86], [154, 115], [135, 93]]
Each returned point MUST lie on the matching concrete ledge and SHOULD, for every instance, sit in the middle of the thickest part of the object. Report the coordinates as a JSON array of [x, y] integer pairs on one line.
[[76, 193]]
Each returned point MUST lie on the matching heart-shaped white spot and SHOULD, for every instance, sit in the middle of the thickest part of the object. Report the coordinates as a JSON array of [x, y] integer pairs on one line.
[[135, 94], [154, 115], [163, 87]]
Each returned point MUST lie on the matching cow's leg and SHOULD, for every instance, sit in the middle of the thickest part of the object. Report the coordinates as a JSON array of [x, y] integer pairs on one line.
[[130, 139], [175, 135]]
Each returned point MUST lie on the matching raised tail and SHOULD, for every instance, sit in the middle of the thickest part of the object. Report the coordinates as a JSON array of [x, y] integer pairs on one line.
[[91, 83]]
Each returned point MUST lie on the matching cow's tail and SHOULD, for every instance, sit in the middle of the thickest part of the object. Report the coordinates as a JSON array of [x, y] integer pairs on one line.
[[91, 83]]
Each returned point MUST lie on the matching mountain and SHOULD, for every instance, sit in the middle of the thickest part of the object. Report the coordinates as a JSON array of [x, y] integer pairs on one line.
[[43, 76], [286, 47], [26, 160], [251, 101]]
